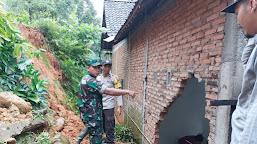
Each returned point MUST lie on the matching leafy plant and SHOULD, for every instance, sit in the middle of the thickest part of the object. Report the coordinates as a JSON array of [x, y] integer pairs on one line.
[[38, 116], [42, 138], [124, 134], [23, 17], [71, 45], [59, 10], [71, 35], [15, 68]]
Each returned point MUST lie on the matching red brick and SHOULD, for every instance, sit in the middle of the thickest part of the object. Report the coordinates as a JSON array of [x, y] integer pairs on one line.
[[220, 28], [214, 53], [186, 34], [196, 43], [209, 46], [190, 63], [185, 57], [215, 3], [177, 58], [218, 60], [209, 32], [186, 46], [218, 21], [206, 26], [204, 55], [214, 16], [196, 56], [192, 38], [219, 7], [183, 41], [200, 35], [179, 37], [182, 52], [175, 43], [205, 61], [211, 96], [196, 30], [191, 51], [204, 41], [217, 37]]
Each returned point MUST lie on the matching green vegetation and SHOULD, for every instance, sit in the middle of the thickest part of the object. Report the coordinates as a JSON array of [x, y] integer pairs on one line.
[[124, 134], [15, 68], [27, 11], [45, 60], [70, 31], [42, 138]]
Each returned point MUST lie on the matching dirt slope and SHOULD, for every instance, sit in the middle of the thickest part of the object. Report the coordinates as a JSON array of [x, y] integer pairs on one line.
[[73, 124]]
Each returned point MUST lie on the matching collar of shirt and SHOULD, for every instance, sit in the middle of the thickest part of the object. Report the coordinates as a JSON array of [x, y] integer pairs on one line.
[[87, 73]]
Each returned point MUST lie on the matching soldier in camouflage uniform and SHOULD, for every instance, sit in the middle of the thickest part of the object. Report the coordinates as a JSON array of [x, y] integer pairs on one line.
[[90, 102]]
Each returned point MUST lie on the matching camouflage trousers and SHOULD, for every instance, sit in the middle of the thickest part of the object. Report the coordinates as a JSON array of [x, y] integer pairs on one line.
[[95, 134]]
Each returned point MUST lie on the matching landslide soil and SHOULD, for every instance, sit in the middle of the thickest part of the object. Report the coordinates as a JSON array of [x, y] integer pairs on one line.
[[51, 70], [73, 125]]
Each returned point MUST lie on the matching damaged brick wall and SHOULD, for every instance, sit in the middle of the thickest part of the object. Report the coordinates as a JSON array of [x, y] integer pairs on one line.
[[185, 37], [118, 67]]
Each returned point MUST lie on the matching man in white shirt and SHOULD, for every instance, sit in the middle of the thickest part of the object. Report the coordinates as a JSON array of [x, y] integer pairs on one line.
[[244, 118], [111, 81]]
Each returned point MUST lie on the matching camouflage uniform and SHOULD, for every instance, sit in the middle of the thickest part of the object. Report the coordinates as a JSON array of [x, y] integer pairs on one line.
[[90, 106]]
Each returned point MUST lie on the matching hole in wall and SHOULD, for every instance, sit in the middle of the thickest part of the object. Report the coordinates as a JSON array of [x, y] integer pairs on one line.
[[186, 116]]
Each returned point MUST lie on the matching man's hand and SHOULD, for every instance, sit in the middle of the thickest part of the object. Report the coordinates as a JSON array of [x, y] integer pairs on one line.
[[119, 110], [132, 93]]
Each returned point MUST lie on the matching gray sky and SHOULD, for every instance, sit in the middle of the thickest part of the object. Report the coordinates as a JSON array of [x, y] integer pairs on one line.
[[98, 4]]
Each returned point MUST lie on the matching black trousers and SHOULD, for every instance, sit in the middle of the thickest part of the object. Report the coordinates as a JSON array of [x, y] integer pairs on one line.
[[109, 125]]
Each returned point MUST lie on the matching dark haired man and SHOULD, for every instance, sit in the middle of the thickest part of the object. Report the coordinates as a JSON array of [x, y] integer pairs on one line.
[[111, 81], [244, 118], [90, 102]]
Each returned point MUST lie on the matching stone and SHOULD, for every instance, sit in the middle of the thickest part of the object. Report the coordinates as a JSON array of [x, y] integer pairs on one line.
[[59, 124], [11, 130], [40, 112], [37, 125], [60, 139], [6, 98], [11, 141], [14, 129]]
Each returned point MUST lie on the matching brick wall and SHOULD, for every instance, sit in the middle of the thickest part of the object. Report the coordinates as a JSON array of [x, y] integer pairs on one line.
[[119, 59], [185, 37], [118, 68]]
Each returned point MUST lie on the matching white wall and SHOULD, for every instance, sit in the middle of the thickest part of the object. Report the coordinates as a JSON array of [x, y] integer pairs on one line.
[[186, 115]]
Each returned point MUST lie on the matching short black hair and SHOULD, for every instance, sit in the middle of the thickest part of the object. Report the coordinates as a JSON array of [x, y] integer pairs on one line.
[[199, 138]]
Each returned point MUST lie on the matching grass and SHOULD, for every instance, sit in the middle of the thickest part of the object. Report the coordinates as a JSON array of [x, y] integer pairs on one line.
[[124, 134], [42, 138], [45, 60]]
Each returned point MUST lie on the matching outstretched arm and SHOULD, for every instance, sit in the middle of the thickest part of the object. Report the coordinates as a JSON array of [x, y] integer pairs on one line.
[[118, 92]]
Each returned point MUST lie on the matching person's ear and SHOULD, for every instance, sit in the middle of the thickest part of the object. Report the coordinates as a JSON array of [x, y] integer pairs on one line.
[[253, 5]]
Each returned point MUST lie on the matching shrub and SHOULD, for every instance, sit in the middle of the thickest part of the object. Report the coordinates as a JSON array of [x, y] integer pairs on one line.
[[42, 138], [124, 134], [15, 68]]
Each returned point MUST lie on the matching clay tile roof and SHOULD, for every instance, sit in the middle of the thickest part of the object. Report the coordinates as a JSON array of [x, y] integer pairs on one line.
[[115, 14]]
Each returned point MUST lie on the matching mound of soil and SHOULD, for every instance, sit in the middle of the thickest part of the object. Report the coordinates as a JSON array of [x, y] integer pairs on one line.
[[73, 124]]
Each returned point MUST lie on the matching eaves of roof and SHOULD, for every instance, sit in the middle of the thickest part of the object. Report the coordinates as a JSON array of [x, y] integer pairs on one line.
[[140, 10]]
